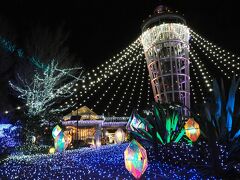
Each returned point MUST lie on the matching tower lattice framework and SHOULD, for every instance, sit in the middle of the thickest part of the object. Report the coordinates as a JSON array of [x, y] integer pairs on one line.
[[165, 39]]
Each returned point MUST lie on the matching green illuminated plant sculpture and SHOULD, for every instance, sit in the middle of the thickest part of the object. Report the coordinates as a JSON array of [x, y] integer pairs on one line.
[[164, 125]]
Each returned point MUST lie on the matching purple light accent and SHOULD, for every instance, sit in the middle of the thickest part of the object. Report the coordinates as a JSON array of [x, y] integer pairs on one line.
[[93, 123]]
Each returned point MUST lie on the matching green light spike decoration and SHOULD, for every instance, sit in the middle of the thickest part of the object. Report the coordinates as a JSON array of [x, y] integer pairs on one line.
[[180, 135], [159, 122], [171, 125], [143, 134], [168, 129], [162, 125], [159, 138], [188, 140], [174, 121], [142, 137]]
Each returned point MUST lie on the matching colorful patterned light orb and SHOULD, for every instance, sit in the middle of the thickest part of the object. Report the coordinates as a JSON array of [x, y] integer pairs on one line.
[[192, 129], [56, 130], [59, 142], [135, 157], [52, 150], [119, 136]]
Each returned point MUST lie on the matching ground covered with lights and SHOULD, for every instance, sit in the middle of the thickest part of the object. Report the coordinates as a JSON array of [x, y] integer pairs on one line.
[[106, 162]]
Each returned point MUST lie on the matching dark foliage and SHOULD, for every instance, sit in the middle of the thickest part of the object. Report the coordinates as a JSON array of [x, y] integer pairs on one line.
[[220, 124]]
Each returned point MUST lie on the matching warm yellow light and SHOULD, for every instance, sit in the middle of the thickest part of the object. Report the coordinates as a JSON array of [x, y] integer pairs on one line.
[[106, 133], [52, 150]]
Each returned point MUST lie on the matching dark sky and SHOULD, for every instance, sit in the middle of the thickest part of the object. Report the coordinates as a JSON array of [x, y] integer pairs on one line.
[[100, 29]]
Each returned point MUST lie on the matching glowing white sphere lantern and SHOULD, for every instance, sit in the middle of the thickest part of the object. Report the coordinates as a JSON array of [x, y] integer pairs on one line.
[[119, 136], [98, 143], [51, 150], [33, 139]]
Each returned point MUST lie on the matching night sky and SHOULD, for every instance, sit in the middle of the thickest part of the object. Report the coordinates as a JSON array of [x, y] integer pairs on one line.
[[100, 29]]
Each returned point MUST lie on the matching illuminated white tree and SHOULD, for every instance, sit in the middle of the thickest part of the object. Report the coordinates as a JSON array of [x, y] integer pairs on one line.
[[47, 88]]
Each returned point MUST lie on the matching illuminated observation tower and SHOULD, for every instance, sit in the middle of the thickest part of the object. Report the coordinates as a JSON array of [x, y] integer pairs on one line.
[[165, 39]]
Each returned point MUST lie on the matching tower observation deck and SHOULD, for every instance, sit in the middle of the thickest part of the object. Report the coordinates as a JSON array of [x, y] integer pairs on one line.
[[165, 39]]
